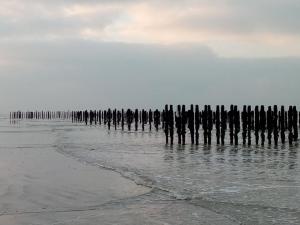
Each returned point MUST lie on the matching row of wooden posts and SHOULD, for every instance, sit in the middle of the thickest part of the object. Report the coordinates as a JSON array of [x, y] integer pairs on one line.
[[268, 123]]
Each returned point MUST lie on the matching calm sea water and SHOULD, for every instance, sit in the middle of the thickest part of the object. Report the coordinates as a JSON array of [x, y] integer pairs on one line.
[[252, 185]]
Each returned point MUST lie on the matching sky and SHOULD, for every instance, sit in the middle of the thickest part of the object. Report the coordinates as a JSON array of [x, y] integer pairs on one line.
[[76, 54]]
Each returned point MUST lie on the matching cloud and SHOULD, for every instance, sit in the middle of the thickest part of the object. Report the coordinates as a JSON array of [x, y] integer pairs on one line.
[[85, 74], [231, 28], [98, 53]]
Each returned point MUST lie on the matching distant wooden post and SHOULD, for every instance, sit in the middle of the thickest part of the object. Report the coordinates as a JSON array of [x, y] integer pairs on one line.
[[197, 123], [231, 117], [218, 124], [282, 124], [237, 128], [166, 128], [290, 124], [156, 119], [257, 125], [244, 124], [269, 124], [204, 123], [178, 123], [209, 123], [143, 119], [109, 117], [295, 123], [249, 125], [223, 124], [262, 124], [122, 119], [275, 124], [183, 123], [86, 116], [191, 122], [136, 119], [171, 124]]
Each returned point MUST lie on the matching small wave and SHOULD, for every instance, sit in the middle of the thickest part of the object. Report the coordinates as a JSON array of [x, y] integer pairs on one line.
[[130, 174]]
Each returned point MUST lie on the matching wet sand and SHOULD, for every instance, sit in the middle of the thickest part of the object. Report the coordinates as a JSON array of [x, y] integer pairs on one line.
[[41, 181]]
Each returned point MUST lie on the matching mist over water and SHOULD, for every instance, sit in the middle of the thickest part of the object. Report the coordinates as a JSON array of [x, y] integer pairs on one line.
[[251, 185]]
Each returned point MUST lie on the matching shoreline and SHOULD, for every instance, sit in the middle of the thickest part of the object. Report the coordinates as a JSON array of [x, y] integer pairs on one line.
[[40, 185]]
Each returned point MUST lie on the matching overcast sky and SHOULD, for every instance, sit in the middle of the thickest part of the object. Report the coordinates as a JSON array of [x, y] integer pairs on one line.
[[67, 54]]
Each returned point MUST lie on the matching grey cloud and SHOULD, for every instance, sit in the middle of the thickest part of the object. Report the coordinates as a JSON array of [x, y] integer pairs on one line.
[[277, 16], [77, 74]]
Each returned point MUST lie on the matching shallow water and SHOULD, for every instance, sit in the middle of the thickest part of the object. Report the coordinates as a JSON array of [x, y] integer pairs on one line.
[[250, 185]]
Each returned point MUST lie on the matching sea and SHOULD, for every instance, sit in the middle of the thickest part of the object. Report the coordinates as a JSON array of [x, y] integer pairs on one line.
[[245, 184]]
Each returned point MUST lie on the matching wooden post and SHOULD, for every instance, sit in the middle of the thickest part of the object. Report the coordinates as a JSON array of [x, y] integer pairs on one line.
[[244, 124], [178, 118], [282, 124], [204, 123], [191, 122], [150, 119], [122, 119], [209, 123], [223, 124], [295, 123], [290, 125], [249, 125], [197, 123], [136, 119], [171, 124], [262, 124], [183, 123], [256, 125], [166, 127], [217, 119], [275, 124], [236, 118], [231, 117]]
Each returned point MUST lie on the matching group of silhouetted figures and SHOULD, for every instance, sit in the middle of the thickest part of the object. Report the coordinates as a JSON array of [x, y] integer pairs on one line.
[[269, 123]]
